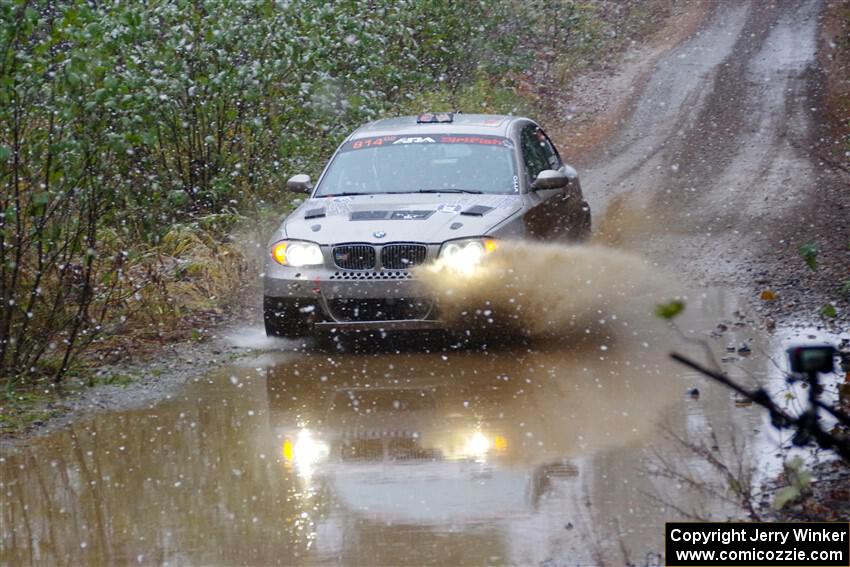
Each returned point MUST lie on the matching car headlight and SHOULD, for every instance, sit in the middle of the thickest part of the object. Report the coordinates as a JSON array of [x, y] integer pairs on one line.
[[304, 451], [297, 253], [465, 255]]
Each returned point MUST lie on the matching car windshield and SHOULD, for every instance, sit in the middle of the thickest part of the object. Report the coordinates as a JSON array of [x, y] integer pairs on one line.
[[422, 164]]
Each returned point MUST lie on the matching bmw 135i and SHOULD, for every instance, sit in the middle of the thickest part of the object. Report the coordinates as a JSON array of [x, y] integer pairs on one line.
[[400, 193]]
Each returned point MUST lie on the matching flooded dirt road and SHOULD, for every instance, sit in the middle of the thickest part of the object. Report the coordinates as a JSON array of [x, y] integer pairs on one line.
[[456, 457], [522, 455], [424, 453]]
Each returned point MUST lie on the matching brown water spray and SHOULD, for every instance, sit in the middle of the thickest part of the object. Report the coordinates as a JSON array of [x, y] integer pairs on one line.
[[542, 289]]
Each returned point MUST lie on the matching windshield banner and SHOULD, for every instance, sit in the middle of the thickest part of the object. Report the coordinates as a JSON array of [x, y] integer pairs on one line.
[[475, 139]]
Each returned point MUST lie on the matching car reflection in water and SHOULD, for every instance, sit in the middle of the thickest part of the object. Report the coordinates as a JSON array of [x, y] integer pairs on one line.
[[457, 441], [387, 450]]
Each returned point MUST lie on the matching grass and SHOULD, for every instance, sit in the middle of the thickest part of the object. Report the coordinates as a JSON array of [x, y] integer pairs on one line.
[[115, 380], [22, 409]]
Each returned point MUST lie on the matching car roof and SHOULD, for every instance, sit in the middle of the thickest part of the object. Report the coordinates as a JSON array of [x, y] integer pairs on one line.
[[492, 124]]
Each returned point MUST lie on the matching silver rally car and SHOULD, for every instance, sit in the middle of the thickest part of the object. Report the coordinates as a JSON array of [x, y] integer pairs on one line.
[[402, 192]]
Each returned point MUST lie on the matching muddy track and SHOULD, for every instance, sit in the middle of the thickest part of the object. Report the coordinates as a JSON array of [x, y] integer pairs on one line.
[[715, 172], [712, 170], [256, 451]]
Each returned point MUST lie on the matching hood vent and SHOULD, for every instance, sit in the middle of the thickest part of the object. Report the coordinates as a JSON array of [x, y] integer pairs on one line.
[[390, 215], [477, 211], [315, 213]]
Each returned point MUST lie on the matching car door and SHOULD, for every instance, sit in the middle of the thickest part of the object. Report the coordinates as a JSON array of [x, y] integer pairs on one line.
[[548, 208], [567, 208]]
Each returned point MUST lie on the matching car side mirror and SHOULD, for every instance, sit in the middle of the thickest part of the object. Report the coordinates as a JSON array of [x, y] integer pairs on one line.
[[299, 183], [550, 179]]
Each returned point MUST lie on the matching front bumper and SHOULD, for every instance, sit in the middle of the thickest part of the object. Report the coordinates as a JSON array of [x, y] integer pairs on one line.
[[406, 325], [354, 300]]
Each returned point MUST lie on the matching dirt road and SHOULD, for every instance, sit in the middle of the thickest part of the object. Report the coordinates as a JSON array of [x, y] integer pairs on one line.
[[425, 453], [716, 171]]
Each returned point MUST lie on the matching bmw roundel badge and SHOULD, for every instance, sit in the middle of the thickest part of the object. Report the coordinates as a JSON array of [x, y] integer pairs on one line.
[[379, 234]]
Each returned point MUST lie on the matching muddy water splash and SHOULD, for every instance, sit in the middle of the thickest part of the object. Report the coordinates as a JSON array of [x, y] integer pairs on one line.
[[542, 289], [626, 222]]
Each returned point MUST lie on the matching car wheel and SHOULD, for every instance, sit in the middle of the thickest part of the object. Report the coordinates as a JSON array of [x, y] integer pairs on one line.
[[284, 318]]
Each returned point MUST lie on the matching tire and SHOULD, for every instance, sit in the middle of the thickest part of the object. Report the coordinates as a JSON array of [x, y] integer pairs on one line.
[[284, 318]]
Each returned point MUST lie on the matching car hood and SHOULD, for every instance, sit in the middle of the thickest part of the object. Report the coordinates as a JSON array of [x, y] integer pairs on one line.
[[430, 218]]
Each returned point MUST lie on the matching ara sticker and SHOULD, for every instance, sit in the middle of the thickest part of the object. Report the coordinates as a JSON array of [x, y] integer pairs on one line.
[[415, 140], [450, 208]]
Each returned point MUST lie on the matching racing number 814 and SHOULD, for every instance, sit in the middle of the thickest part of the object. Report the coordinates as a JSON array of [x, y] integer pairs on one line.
[[367, 142]]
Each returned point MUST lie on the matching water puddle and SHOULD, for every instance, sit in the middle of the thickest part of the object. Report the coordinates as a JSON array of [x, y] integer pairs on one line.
[[516, 455]]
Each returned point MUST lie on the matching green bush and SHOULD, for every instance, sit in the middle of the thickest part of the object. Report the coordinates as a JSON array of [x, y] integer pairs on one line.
[[120, 121]]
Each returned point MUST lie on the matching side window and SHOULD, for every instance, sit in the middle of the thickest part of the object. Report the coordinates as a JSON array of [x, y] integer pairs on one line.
[[532, 152], [549, 150]]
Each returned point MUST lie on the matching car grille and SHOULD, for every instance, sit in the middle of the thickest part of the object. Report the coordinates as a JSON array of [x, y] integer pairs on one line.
[[403, 256], [394, 446], [363, 310], [354, 256], [371, 275]]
